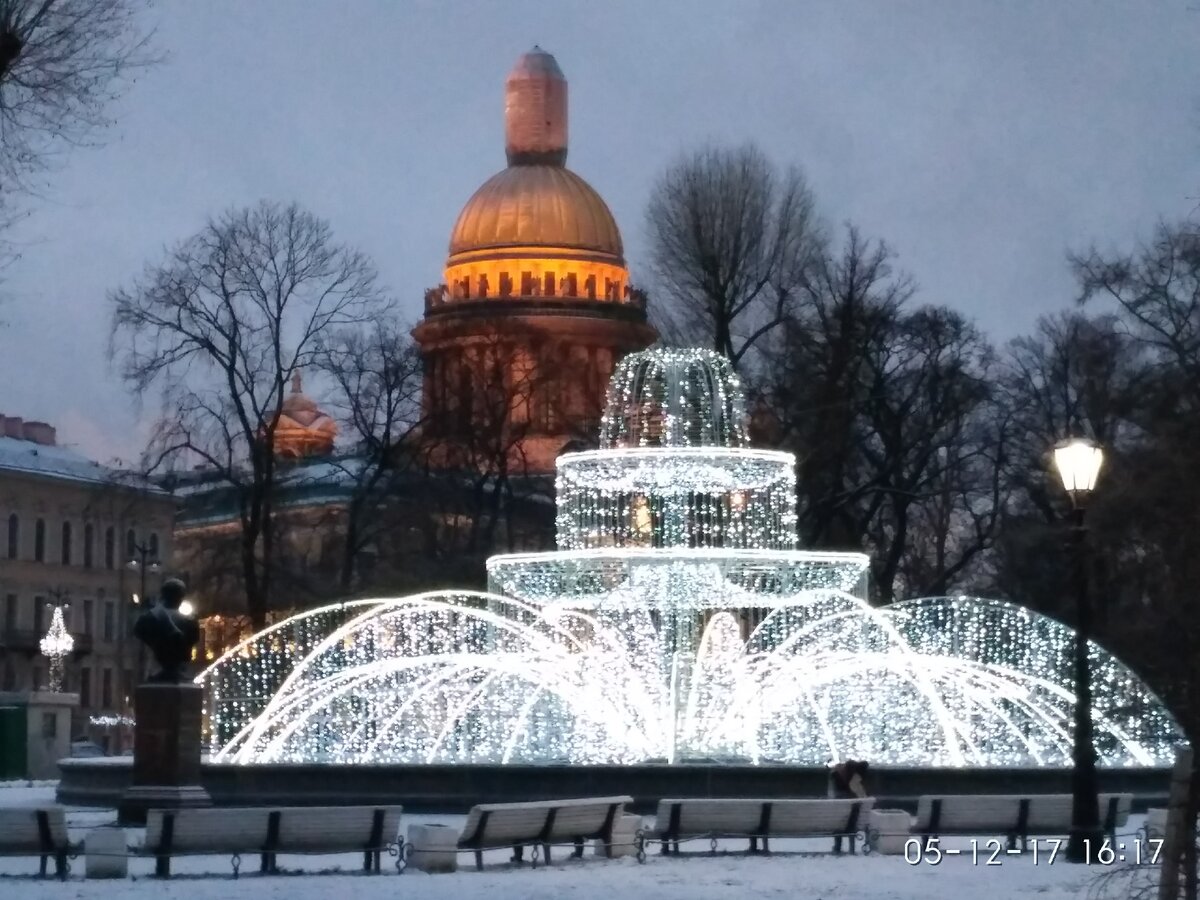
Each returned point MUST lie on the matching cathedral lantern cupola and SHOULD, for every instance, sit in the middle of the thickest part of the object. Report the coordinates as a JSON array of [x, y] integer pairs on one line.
[[535, 111]]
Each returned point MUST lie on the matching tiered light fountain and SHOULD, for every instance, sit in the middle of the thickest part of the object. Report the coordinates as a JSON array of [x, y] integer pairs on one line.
[[677, 622]]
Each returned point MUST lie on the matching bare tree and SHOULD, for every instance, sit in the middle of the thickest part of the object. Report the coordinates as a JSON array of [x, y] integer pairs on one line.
[[1154, 502], [730, 240], [1157, 289], [818, 382], [933, 451], [62, 62], [219, 327], [887, 410], [376, 374]]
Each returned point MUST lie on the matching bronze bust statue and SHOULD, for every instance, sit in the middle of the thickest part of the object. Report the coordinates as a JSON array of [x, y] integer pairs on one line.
[[168, 633]]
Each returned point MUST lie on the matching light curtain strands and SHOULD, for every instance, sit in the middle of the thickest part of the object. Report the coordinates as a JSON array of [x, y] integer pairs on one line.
[[675, 622]]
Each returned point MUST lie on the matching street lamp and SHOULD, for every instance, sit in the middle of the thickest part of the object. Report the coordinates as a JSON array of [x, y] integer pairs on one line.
[[1078, 462], [144, 562]]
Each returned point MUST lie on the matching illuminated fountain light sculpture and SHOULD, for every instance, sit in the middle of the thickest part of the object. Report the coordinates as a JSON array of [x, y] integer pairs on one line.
[[677, 621], [56, 645]]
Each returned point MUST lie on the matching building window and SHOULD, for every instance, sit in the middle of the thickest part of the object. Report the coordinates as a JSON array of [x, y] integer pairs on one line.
[[49, 725], [39, 540], [10, 612], [85, 687], [106, 689], [153, 545], [110, 547], [36, 682], [88, 612], [39, 615], [109, 620], [89, 538], [10, 676], [14, 536], [548, 280], [126, 685], [130, 544], [66, 543]]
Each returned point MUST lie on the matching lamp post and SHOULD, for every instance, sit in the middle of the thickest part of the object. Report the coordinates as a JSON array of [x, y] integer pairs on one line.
[[1078, 462], [144, 562]]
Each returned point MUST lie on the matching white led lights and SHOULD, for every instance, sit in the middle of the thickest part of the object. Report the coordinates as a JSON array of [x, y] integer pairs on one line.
[[676, 621]]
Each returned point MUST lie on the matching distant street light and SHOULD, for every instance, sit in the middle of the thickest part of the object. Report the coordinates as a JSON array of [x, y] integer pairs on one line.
[[1078, 462]]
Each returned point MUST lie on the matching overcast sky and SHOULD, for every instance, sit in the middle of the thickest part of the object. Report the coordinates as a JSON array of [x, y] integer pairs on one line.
[[981, 139]]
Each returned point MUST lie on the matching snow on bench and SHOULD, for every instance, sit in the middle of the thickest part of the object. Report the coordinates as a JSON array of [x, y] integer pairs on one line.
[[758, 820], [1013, 815], [269, 832], [540, 824], [36, 832]]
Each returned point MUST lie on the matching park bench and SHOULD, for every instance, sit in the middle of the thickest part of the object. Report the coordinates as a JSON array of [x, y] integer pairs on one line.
[[540, 824], [758, 820], [1012, 815], [269, 832], [38, 832]]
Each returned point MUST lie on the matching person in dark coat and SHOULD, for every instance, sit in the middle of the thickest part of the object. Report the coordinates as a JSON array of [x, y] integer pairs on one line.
[[847, 781]]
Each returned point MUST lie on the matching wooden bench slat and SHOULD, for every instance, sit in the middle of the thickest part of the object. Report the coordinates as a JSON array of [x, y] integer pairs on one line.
[[494, 825], [20, 834], [685, 818], [270, 831], [1012, 814]]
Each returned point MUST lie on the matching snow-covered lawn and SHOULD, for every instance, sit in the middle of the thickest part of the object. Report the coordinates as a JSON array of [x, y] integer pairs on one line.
[[727, 876]]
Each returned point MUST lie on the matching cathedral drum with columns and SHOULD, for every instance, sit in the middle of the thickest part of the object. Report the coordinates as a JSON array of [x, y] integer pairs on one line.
[[536, 308]]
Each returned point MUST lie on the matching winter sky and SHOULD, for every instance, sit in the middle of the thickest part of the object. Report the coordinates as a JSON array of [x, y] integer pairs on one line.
[[981, 139]]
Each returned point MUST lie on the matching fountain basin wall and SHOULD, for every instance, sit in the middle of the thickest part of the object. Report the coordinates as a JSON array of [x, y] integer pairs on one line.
[[456, 788]]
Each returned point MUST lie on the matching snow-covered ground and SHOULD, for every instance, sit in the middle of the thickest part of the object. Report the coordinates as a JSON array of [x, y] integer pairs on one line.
[[798, 869]]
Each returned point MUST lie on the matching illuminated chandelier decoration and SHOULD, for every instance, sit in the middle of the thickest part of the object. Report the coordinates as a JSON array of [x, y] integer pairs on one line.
[[56, 645], [676, 622]]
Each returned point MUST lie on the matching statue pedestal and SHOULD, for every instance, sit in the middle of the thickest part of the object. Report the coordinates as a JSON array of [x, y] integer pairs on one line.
[[166, 752]]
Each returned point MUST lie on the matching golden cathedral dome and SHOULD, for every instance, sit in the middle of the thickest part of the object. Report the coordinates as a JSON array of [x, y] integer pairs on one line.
[[536, 227], [537, 206], [303, 428]]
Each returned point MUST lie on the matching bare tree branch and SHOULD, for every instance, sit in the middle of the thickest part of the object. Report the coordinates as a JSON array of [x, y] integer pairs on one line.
[[218, 328], [731, 239]]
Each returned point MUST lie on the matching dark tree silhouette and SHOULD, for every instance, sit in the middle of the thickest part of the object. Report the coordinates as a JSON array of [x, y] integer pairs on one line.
[[730, 241], [62, 62], [219, 328]]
